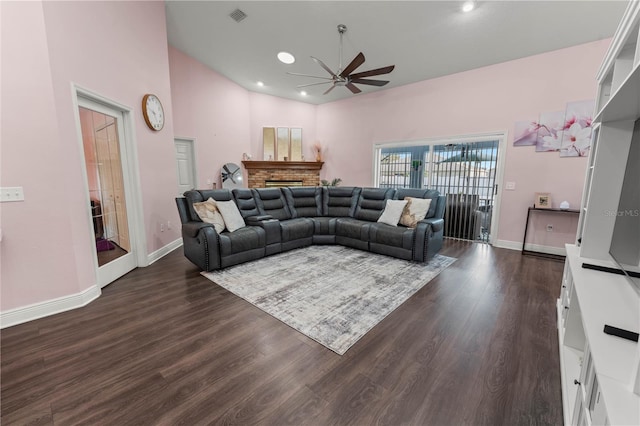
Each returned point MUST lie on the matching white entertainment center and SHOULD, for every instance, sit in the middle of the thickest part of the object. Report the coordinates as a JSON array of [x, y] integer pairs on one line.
[[600, 377]]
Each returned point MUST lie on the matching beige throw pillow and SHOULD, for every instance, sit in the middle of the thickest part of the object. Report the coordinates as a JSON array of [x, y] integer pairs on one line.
[[392, 212], [209, 213], [231, 215], [415, 210]]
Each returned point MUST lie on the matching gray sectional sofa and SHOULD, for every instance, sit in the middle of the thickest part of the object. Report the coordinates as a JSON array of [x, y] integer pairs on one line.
[[280, 219]]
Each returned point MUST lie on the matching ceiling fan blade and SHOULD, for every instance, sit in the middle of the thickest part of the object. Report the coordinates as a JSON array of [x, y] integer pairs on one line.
[[312, 84], [323, 65], [371, 73], [353, 88], [357, 61], [308, 75], [370, 82], [329, 89]]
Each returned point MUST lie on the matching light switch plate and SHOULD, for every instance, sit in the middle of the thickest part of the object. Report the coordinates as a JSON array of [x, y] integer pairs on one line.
[[8, 194], [510, 186]]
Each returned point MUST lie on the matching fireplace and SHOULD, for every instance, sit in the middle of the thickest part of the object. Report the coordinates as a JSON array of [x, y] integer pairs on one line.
[[271, 174], [281, 183]]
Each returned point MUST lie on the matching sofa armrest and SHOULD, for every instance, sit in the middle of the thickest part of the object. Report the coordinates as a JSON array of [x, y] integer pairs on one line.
[[253, 220], [270, 225], [435, 223], [191, 229]]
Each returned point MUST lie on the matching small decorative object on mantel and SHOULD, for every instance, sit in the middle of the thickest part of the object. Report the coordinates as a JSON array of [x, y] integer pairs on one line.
[[317, 151], [334, 182], [543, 200], [564, 205]]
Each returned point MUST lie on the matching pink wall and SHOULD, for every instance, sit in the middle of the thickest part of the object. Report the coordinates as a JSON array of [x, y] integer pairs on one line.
[[225, 119], [488, 99], [115, 49]]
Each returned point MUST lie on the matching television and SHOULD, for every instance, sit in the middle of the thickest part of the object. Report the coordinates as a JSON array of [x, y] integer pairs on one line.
[[625, 241]]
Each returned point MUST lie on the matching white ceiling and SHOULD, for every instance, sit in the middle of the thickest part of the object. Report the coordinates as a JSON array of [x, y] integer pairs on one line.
[[424, 39]]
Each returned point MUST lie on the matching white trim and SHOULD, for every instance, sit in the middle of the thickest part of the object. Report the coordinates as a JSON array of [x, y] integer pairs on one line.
[[133, 191], [475, 137], [163, 251], [49, 307], [515, 245]]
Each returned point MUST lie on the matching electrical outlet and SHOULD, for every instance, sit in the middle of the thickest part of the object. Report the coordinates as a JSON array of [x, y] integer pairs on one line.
[[549, 228], [8, 194], [168, 224], [162, 227], [510, 186]]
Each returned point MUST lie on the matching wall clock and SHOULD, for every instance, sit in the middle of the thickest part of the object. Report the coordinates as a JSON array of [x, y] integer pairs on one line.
[[153, 112]]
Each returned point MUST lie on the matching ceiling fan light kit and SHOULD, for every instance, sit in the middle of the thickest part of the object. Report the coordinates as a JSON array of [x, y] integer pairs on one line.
[[344, 77]]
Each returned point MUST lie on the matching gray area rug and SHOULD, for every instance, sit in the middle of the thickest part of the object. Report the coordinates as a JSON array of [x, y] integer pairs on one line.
[[332, 294]]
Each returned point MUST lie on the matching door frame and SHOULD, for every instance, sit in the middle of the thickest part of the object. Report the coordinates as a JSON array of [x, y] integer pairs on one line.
[[192, 141], [501, 136], [132, 187]]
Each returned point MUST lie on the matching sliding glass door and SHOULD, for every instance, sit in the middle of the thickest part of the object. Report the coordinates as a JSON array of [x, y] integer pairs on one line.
[[465, 171]]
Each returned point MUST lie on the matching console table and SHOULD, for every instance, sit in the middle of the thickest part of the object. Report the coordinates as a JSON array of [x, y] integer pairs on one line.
[[526, 229]]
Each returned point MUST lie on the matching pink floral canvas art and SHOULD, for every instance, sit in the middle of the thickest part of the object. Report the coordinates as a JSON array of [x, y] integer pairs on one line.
[[576, 132], [549, 136], [526, 133]]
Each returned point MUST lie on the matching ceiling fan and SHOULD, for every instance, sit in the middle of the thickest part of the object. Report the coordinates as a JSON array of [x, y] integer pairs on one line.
[[344, 77]]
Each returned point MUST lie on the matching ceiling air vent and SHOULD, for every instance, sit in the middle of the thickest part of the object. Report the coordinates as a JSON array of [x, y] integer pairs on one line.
[[238, 15]]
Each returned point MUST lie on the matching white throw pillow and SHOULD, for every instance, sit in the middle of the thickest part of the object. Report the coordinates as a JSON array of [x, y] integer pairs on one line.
[[415, 210], [392, 212], [209, 213], [232, 217]]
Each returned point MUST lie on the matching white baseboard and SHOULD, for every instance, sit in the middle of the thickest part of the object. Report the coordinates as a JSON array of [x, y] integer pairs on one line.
[[50, 307], [66, 303], [515, 245], [163, 251]]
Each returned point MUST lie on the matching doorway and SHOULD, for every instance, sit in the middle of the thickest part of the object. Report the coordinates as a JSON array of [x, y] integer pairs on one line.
[[186, 165], [105, 161], [465, 169]]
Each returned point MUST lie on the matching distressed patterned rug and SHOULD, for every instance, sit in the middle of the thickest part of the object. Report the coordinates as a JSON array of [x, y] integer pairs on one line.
[[332, 294]]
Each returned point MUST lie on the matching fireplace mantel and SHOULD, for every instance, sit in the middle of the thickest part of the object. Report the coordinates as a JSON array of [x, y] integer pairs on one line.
[[283, 165], [259, 172]]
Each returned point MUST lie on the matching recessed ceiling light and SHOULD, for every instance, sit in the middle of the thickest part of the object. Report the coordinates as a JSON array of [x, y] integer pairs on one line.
[[468, 6], [303, 93], [259, 83], [286, 57]]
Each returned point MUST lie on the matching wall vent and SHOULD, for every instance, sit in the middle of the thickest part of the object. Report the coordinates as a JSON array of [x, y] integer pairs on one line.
[[238, 15]]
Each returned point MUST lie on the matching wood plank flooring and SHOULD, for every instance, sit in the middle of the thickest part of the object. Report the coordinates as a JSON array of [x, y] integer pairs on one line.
[[164, 346]]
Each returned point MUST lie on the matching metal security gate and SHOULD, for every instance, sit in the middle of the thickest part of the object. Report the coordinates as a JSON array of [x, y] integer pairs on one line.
[[463, 171]]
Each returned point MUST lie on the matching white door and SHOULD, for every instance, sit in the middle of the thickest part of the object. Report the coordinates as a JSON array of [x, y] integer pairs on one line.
[[107, 173], [185, 163]]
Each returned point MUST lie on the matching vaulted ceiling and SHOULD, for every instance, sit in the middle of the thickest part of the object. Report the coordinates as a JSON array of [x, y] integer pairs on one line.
[[424, 39]]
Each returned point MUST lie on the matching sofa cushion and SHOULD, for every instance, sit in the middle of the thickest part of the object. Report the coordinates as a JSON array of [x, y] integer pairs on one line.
[[209, 213], [433, 194], [372, 202], [353, 228], [304, 201], [414, 211], [244, 239], [231, 215], [324, 225], [339, 201], [398, 236], [392, 212], [246, 202], [198, 196], [271, 201], [295, 229]]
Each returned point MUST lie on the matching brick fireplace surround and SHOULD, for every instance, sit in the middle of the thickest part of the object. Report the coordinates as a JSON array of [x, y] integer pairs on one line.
[[261, 171]]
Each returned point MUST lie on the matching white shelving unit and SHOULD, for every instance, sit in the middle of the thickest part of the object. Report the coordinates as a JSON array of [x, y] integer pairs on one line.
[[599, 371]]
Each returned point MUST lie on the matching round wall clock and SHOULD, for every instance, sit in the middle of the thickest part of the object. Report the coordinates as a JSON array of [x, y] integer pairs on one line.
[[153, 112]]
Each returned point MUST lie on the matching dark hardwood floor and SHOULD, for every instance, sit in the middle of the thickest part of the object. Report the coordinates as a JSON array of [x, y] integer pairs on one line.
[[164, 346]]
